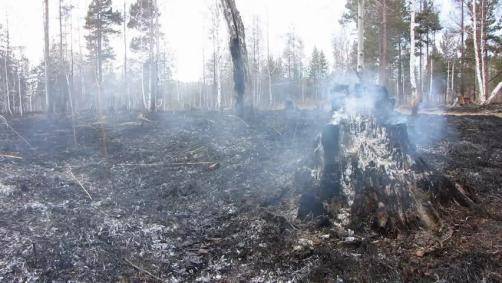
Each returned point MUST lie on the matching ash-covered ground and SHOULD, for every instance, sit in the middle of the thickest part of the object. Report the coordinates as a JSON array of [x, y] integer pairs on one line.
[[210, 197]]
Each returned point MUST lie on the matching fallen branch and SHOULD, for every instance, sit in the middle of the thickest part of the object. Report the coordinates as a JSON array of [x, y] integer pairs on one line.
[[78, 182], [494, 94], [239, 118], [143, 270], [166, 164], [10, 156]]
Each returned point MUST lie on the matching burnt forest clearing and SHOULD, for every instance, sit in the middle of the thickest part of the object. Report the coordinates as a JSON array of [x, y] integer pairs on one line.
[[250, 141]]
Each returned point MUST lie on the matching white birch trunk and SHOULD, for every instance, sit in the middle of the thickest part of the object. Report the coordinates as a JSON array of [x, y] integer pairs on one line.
[[479, 77], [494, 93], [482, 35]]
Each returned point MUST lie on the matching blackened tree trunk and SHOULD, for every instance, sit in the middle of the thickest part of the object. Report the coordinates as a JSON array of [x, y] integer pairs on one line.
[[238, 51]]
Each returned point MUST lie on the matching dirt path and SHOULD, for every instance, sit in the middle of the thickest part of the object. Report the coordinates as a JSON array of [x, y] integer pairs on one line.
[[207, 196]]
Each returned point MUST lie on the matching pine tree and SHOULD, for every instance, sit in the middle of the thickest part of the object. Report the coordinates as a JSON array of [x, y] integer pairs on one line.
[[101, 22], [144, 18]]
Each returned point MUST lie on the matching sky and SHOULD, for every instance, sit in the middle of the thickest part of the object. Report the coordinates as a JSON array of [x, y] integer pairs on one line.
[[184, 23]]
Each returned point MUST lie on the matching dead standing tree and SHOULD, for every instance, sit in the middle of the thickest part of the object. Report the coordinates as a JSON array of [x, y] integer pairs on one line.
[[238, 51]]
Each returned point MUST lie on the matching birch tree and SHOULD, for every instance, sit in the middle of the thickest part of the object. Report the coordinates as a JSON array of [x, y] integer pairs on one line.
[[478, 28]]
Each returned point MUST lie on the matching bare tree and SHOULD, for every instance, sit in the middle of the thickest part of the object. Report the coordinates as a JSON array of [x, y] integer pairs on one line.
[[48, 99], [269, 67], [214, 31], [238, 51], [124, 35], [6, 67]]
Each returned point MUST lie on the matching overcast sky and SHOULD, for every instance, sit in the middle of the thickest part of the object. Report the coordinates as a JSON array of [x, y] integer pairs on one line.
[[184, 21]]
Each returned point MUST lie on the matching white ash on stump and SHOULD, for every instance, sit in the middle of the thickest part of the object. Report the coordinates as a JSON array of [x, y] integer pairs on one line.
[[365, 173]]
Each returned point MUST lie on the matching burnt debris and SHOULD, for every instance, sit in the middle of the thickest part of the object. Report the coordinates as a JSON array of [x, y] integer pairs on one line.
[[366, 172]]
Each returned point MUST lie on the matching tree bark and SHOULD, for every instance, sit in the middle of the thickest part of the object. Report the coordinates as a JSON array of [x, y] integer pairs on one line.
[[126, 83], [413, 67], [447, 95], [238, 51], [19, 94], [478, 68], [48, 100], [383, 66], [269, 68], [462, 48], [360, 36], [453, 78], [483, 55], [6, 69]]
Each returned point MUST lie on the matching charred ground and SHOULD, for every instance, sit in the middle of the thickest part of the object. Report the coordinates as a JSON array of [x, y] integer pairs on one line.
[[208, 196]]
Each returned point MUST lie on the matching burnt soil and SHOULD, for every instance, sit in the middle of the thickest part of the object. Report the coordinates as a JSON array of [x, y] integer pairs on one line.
[[210, 197]]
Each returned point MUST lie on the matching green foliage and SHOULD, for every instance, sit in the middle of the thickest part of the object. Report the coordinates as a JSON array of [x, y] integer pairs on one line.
[[318, 67], [143, 15], [101, 22]]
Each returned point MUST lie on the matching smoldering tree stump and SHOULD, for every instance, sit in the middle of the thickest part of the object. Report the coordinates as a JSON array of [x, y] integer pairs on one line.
[[367, 175]]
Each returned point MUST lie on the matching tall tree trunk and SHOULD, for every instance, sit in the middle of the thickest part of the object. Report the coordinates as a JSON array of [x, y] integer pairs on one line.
[[124, 34], [462, 48], [48, 99], [447, 94], [399, 74], [413, 67], [430, 79], [99, 67], [238, 51], [152, 66], [360, 36], [476, 39], [156, 58], [143, 91], [269, 68], [383, 66], [453, 78], [6, 69], [19, 94], [61, 71], [71, 81], [483, 55]]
